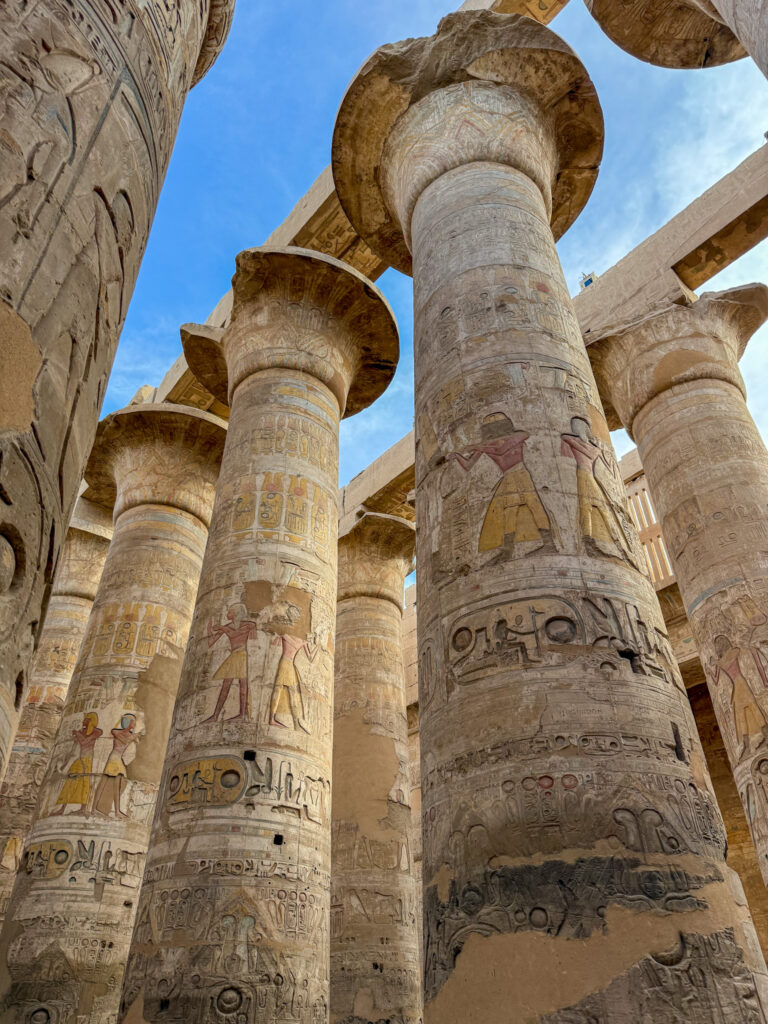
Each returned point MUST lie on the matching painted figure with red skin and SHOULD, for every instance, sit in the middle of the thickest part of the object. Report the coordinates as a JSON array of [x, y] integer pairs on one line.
[[238, 632], [515, 512], [597, 519]]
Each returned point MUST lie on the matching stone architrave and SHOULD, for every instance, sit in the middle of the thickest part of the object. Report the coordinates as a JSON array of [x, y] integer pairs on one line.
[[672, 379], [67, 931], [375, 972], [686, 33], [74, 589], [243, 825], [573, 853], [90, 100]]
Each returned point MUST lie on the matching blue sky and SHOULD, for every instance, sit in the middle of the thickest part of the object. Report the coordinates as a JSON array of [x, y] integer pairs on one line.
[[256, 132]]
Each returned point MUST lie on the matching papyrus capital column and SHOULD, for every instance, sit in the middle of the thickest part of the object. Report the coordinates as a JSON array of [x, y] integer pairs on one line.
[[374, 929], [563, 780], [691, 34], [77, 578], [244, 817], [67, 930], [672, 379], [91, 95]]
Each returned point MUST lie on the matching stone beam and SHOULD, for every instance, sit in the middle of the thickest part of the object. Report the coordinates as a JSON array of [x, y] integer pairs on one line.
[[384, 486], [725, 222], [317, 221], [713, 231]]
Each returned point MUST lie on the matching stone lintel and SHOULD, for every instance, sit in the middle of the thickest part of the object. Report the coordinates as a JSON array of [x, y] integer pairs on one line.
[[706, 237], [384, 486], [713, 231]]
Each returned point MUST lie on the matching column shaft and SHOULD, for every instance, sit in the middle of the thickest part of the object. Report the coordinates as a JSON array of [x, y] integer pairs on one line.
[[741, 849], [82, 561], [234, 914], [573, 855], [92, 94], [527, 627], [707, 469], [374, 930], [243, 826], [67, 932]]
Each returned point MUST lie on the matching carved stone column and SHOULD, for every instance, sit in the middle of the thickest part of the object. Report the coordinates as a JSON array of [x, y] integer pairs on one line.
[[90, 100], [78, 575], [573, 854], [687, 33], [374, 930], [67, 932], [673, 381], [243, 827]]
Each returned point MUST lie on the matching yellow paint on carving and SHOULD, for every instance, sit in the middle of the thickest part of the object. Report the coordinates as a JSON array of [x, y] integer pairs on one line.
[[20, 361], [491, 972], [358, 800]]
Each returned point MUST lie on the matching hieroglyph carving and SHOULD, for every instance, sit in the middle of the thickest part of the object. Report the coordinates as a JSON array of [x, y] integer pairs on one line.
[[90, 100]]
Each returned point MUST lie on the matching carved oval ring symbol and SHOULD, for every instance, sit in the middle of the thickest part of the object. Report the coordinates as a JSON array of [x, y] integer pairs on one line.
[[174, 784], [471, 900], [229, 1000], [39, 1016], [230, 779], [560, 630], [653, 885], [462, 639]]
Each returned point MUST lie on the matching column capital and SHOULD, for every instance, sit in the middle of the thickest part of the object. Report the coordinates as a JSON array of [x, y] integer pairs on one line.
[[220, 14], [673, 345], [160, 454], [486, 87], [79, 569], [375, 556], [298, 309], [668, 33]]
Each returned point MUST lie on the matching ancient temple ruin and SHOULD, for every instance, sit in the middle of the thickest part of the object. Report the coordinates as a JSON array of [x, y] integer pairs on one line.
[[247, 776]]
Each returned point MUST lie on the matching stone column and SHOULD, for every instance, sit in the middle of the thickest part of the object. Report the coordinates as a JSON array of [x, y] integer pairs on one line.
[[374, 931], [234, 914], [687, 33], [673, 380], [573, 854], [78, 575], [67, 932], [90, 100]]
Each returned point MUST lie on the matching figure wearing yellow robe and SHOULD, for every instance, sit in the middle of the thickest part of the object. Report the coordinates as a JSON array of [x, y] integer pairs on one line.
[[515, 512]]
